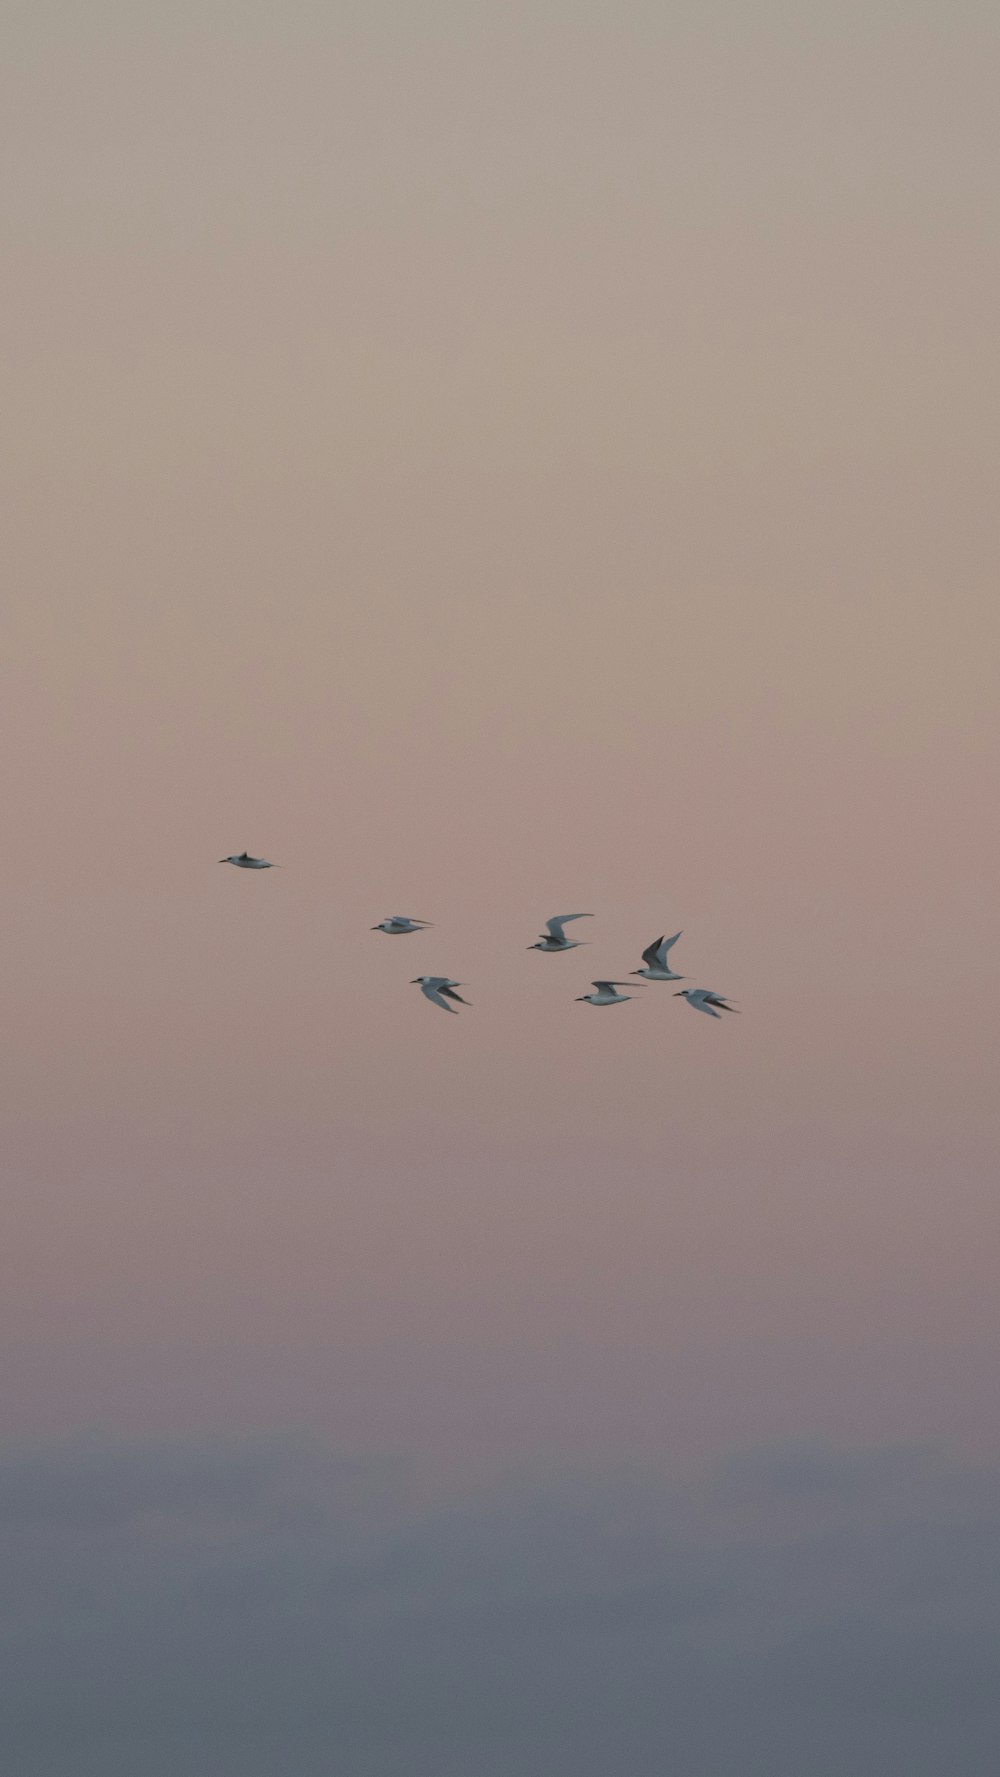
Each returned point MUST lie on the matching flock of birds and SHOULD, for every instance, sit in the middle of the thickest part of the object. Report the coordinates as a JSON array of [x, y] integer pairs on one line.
[[441, 990]]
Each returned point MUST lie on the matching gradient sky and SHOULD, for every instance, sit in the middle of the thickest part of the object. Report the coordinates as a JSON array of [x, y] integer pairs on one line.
[[496, 460]]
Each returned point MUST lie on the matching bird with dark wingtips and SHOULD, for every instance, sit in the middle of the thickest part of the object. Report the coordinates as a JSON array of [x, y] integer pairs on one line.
[[655, 958], [439, 989], [554, 938], [245, 862], [703, 1001], [398, 923], [606, 995]]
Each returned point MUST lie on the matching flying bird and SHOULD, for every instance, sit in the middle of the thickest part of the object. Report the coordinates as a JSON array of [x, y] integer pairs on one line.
[[398, 924], [439, 990], [704, 1001], [655, 958], [606, 994], [554, 938], [245, 862]]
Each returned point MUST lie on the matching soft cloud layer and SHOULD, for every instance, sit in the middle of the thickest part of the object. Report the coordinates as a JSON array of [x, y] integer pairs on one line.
[[246, 1609]]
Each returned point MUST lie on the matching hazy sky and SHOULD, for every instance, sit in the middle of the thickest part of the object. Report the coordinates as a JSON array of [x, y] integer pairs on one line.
[[498, 460]]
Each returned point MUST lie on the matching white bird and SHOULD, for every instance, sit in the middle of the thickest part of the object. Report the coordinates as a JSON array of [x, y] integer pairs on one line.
[[655, 958], [439, 990], [398, 923], [554, 938], [704, 1001], [606, 994], [245, 862]]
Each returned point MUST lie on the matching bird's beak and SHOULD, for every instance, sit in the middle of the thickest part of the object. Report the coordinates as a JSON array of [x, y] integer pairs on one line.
[[416, 981], [680, 995]]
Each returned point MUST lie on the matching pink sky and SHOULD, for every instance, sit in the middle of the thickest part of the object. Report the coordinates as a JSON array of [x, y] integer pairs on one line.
[[496, 462]]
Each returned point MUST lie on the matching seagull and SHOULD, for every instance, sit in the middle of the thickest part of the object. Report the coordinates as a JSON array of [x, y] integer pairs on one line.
[[555, 938], [399, 923], [606, 995], [655, 958], [704, 1001], [246, 862], [439, 990]]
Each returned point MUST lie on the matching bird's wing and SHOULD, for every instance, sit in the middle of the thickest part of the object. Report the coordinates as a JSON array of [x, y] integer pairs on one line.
[[431, 990], [651, 954], [436, 1000], [450, 994], [555, 926], [714, 999], [667, 944], [606, 986], [244, 857], [699, 999]]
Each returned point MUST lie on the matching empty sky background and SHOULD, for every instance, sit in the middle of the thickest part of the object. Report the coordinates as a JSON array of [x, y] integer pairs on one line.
[[499, 460]]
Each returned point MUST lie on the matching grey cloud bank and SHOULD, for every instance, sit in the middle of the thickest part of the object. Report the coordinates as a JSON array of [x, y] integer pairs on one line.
[[244, 1609]]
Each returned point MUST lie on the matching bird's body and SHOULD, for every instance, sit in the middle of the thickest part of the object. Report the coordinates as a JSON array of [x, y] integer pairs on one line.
[[397, 924], [607, 994], [554, 938], [439, 989], [655, 958], [703, 1000], [244, 861]]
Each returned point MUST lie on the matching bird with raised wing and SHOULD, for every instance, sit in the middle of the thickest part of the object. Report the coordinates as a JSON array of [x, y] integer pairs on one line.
[[439, 989], [655, 958], [554, 938], [606, 995], [703, 1001], [398, 923], [245, 862]]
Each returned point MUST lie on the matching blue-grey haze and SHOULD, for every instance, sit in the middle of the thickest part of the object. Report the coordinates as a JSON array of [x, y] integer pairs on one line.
[[268, 1608]]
